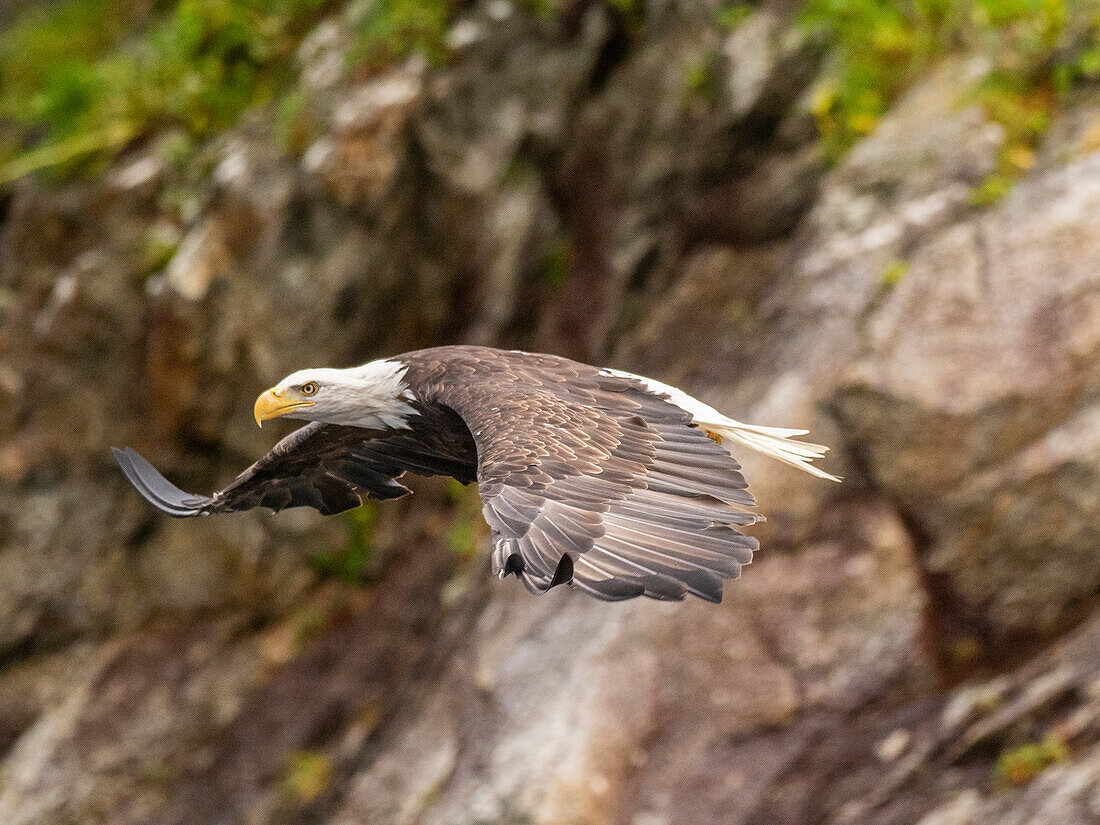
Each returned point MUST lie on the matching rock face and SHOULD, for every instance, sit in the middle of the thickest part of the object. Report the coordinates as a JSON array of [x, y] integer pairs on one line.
[[981, 458], [919, 644]]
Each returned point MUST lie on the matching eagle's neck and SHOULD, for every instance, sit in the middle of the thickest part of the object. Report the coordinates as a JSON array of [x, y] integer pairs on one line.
[[375, 396]]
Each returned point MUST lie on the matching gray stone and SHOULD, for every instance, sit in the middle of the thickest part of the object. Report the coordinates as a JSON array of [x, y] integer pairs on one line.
[[986, 458]]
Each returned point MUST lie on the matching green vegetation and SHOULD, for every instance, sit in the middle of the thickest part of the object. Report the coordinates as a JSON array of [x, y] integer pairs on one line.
[[965, 650], [309, 623], [467, 529], [632, 10], [701, 81], [308, 775], [391, 30], [349, 563], [732, 15], [893, 273], [83, 78], [294, 128], [991, 190], [1037, 50], [553, 267], [1019, 765], [541, 9], [155, 248]]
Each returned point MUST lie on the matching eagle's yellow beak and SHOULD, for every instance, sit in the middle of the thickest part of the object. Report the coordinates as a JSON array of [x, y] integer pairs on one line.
[[274, 403]]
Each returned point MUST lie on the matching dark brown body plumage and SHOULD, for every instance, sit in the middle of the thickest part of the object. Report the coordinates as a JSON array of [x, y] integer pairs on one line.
[[585, 477]]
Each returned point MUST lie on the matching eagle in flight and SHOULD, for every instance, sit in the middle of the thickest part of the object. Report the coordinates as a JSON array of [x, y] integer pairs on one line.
[[616, 484]]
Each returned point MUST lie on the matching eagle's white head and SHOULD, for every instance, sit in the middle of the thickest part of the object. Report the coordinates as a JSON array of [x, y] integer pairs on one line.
[[374, 395]]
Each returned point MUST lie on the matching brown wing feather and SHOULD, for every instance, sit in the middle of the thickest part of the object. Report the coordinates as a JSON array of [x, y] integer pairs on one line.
[[593, 475]]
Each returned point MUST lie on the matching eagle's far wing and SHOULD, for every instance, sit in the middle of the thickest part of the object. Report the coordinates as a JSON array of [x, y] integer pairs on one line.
[[590, 479], [325, 466]]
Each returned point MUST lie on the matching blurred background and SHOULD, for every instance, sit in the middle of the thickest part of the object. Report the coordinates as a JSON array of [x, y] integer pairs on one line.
[[879, 220]]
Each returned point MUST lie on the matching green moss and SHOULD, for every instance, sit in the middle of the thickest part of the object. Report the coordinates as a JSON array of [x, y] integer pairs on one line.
[[1019, 765], [632, 10], [178, 148], [877, 50], [467, 528], [309, 623], [155, 248], [388, 31], [893, 273], [991, 190], [701, 81], [965, 650], [349, 563], [42, 52], [732, 15], [156, 772], [308, 774], [553, 267], [542, 9], [1038, 48], [63, 154], [83, 78], [295, 129]]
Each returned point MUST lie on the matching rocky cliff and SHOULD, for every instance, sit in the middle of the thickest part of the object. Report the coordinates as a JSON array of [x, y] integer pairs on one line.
[[640, 186]]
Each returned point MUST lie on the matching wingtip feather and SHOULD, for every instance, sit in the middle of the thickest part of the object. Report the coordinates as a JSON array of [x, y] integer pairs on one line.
[[154, 487]]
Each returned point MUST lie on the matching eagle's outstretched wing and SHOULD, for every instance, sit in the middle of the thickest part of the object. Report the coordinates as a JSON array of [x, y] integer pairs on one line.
[[590, 478], [325, 466]]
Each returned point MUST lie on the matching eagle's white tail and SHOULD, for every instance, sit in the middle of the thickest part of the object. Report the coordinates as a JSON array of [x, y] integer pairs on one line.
[[776, 442]]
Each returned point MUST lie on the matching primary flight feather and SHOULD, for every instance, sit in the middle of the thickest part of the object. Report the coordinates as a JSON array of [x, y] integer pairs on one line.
[[613, 483]]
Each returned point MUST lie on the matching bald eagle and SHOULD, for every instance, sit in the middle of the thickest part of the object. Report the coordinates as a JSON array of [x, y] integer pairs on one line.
[[616, 484]]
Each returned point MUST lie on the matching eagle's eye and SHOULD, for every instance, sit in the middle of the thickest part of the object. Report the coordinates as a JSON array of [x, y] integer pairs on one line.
[[309, 388]]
